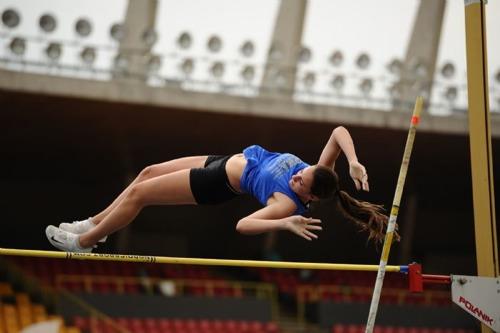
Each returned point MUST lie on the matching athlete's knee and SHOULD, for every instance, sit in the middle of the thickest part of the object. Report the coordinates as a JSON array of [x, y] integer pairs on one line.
[[147, 172], [136, 196]]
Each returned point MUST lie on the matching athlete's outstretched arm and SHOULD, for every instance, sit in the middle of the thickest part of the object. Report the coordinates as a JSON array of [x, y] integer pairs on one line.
[[341, 140], [277, 216]]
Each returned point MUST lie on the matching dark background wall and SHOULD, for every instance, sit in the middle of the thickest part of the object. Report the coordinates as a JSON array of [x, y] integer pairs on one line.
[[67, 158], [396, 315]]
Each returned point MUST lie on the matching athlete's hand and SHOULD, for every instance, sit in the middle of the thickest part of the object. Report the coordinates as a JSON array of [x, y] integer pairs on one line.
[[359, 176], [302, 226]]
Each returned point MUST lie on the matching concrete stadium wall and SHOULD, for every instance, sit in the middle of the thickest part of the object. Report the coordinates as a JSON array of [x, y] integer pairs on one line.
[[156, 306], [329, 313]]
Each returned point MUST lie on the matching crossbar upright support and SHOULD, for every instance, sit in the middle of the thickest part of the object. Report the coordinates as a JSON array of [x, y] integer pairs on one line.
[[483, 188]]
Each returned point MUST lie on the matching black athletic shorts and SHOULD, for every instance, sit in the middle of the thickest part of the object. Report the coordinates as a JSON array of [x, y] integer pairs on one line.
[[210, 184]]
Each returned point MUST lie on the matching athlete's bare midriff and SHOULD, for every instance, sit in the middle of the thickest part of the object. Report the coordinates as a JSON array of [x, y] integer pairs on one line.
[[234, 169]]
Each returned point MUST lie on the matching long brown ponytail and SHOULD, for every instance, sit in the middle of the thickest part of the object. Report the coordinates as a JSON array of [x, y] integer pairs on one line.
[[366, 216]]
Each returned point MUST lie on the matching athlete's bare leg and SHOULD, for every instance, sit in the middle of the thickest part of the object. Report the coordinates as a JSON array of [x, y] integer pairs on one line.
[[171, 188], [153, 171]]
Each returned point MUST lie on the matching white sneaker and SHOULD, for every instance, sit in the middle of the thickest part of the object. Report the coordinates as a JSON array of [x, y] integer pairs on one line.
[[80, 227], [63, 240]]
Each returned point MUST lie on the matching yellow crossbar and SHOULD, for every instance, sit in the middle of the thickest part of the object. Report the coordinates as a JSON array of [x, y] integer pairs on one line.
[[195, 261]]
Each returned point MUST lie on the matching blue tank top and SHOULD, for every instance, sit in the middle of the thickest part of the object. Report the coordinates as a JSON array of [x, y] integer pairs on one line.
[[267, 172]]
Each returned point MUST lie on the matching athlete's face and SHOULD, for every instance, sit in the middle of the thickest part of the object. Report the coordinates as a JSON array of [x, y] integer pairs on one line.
[[301, 183]]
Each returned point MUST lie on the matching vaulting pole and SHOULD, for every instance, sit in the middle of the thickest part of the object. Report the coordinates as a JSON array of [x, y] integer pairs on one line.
[[394, 215]]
